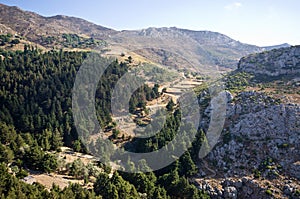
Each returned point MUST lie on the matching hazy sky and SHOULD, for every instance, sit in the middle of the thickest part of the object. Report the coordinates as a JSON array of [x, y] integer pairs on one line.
[[260, 22]]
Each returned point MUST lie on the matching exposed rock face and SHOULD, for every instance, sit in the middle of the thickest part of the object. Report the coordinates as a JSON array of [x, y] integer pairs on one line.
[[259, 152], [248, 187], [230, 192], [273, 63], [259, 128], [258, 155]]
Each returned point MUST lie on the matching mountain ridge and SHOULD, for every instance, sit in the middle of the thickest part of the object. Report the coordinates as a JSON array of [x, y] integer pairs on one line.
[[25, 22], [180, 48]]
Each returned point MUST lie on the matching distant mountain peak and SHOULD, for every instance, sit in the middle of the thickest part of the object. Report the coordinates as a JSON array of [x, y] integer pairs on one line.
[[284, 45]]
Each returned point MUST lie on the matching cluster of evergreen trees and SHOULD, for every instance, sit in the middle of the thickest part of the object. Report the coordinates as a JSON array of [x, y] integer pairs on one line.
[[8, 39], [141, 95], [36, 120], [11, 187], [70, 41], [36, 91], [167, 183]]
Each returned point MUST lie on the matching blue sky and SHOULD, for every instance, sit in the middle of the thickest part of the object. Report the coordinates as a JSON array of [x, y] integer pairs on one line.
[[260, 22]]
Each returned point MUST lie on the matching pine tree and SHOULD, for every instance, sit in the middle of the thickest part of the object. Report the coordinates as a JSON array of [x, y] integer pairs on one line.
[[187, 166], [56, 140], [170, 105], [45, 138]]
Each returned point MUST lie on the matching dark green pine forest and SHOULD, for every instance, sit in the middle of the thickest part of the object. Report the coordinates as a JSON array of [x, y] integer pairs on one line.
[[36, 120]]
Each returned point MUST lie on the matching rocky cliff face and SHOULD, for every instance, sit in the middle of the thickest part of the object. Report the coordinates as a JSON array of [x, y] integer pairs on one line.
[[257, 129], [259, 150], [258, 154], [276, 62]]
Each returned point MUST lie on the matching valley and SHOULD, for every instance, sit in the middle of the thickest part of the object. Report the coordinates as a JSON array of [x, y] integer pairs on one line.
[[49, 151]]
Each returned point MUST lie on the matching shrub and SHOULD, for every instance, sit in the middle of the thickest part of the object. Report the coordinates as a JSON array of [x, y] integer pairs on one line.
[[15, 41], [269, 192], [256, 173]]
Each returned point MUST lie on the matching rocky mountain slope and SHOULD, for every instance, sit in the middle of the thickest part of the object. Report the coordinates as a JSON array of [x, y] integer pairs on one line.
[[258, 154], [280, 61], [34, 26], [183, 49]]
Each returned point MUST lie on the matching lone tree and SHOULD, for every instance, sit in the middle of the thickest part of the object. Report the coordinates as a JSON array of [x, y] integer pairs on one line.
[[130, 59], [170, 105]]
